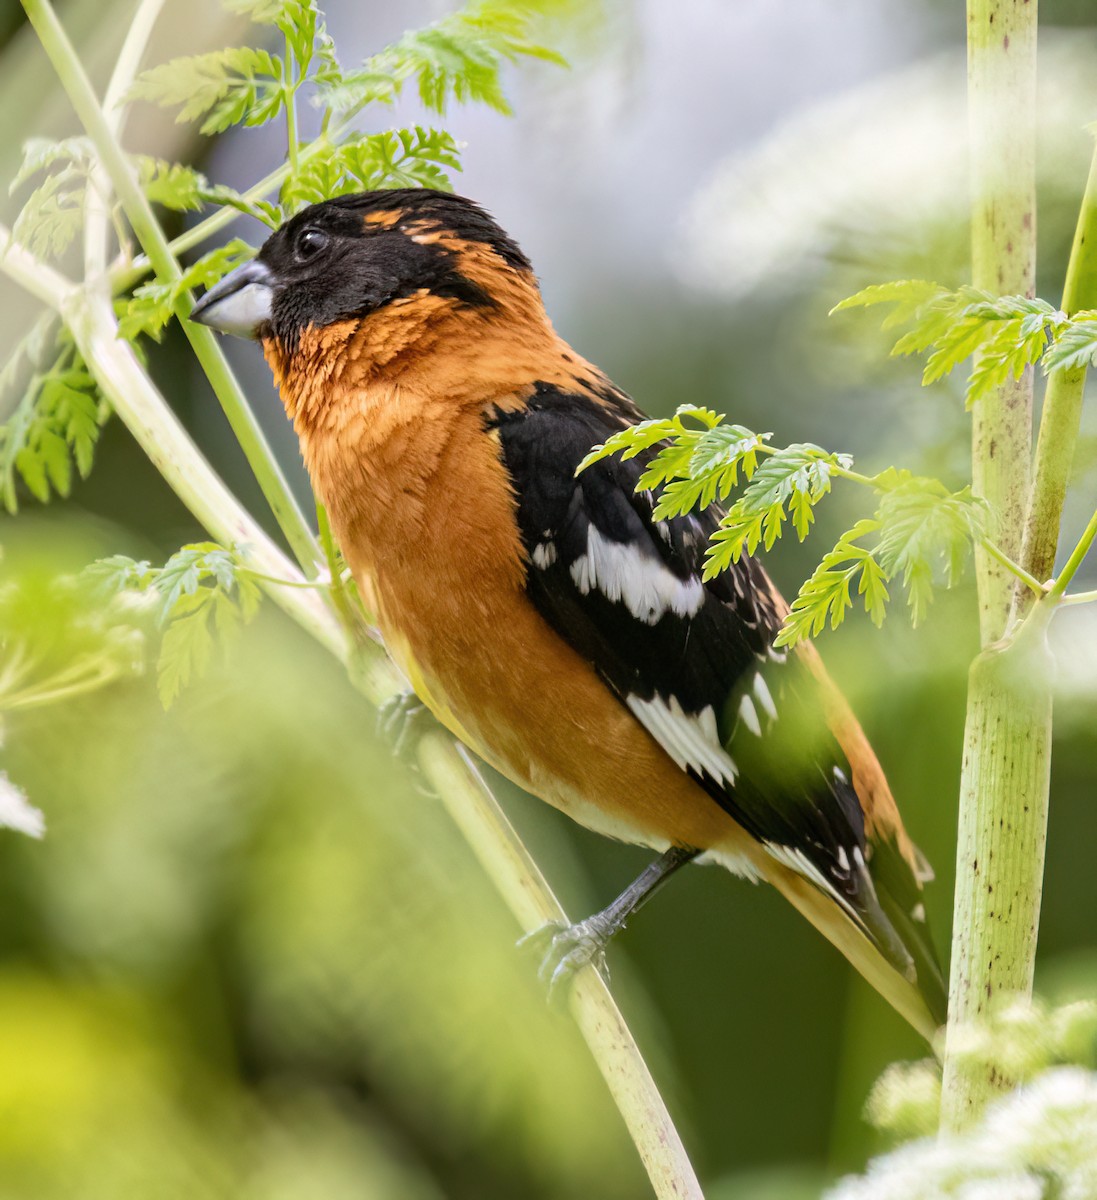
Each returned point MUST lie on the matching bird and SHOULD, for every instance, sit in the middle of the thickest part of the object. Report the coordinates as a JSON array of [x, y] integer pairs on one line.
[[542, 613]]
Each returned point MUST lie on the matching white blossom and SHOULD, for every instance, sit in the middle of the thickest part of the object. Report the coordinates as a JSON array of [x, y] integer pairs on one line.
[[1045, 1129]]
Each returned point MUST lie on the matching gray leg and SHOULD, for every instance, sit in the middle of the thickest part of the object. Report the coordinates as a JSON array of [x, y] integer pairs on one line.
[[571, 947]]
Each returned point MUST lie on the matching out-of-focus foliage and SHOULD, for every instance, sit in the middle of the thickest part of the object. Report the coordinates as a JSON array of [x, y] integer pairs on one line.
[[202, 590], [54, 426], [252, 960]]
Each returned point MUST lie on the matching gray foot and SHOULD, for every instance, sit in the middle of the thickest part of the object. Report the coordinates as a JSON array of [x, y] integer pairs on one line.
[[569, 948], [400, 721]]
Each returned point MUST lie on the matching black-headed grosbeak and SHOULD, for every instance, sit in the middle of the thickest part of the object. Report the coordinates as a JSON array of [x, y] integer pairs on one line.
[[546, 617]]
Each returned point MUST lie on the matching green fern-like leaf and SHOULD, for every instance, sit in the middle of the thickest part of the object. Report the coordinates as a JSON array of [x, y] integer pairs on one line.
[[459, 58], [922, 526], [794, 480], [1006, 334], [826, 596], [241, 85], [1075, 346], [39, 154], [200, 592], [54, 427], [53, 214], [414, 157]]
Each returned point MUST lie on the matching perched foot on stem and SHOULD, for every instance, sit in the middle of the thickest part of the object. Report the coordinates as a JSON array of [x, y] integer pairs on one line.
[[401, 720], [569, 948]]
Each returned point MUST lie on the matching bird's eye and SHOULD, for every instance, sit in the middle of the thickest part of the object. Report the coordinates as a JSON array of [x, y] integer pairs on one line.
[[310, 242]]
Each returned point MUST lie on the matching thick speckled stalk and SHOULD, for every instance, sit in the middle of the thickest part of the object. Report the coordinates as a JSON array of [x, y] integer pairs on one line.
[[1004, 783]]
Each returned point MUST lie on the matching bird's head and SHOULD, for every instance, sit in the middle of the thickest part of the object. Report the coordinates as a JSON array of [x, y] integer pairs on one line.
[[395, 263]]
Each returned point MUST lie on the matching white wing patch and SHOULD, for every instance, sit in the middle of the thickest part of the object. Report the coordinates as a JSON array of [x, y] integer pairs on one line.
[[643, 584], [765, 698], [748, 714], [692, 741], [544, 555]]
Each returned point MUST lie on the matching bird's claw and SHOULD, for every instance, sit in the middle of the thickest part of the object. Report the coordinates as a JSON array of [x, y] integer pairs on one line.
[[400, 719], [566, 950]]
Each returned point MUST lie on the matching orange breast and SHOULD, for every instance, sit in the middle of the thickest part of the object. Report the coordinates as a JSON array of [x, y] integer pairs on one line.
[[425, 513]]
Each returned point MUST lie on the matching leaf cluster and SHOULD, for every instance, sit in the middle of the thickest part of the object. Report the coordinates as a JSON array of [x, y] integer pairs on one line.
[[1004, 335], [240, 85], [919, 532], [53, 427], [789, 482], [202, 590], [697, 457], [458, 58], [415, 157]]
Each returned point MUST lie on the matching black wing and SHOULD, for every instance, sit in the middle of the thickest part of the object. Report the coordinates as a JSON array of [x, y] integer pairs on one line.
[[692, 660]]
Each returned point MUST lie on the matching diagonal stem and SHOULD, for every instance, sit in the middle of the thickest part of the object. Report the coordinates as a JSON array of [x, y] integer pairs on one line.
[[1077, 557]]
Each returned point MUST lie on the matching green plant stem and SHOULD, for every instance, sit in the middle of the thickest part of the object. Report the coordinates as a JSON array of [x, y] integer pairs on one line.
[[856, 477], [290, 90], [353, 624], [1001, 120], [98, 193], [995, 552], [1062, 401], [141, 217], [1077, 557], [1006, 762], [316, 585], [504, 857], [51, 691], [1079, 598], [143, 410]]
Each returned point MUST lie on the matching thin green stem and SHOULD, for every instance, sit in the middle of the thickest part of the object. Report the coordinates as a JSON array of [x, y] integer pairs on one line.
[[126, 275], [857, 477], [504, 857], [999, 555], [317, 585], [1077, 556], [290, 85], [141, 217], [114, 111], [52, 691], [344, 608], [1062, 412], [1079, 598]]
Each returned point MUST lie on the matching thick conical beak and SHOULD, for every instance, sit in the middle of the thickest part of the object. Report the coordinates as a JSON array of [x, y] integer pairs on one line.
[[240, 304]]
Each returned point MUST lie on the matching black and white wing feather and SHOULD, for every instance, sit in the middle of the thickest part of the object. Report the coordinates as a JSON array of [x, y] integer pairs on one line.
[[693, 660]]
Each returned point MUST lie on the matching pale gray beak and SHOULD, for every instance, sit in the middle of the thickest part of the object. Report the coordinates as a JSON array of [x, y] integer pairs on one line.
[[240, 304]]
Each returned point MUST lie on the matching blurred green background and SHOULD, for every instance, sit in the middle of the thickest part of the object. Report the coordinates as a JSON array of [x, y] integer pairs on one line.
[[250, 958]]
